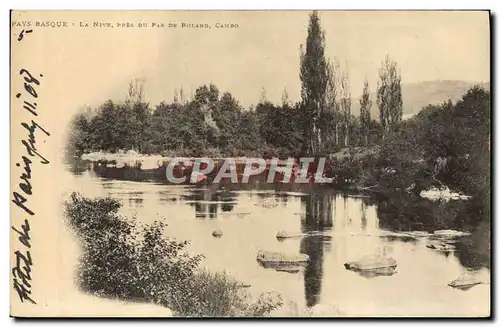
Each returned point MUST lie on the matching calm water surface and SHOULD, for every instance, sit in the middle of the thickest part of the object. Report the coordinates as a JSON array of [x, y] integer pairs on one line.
[[341, 227]]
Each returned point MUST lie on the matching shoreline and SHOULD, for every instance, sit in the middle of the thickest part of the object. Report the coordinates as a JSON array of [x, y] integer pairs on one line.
[[140, 161]]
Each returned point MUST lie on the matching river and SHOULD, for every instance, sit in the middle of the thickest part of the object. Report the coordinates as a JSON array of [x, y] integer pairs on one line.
[[332, 227]]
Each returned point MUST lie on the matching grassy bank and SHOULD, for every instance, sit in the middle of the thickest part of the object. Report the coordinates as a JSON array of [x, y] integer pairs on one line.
[[124, 259]]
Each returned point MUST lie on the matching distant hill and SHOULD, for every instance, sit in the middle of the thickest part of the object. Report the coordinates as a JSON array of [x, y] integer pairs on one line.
[[418, 95]]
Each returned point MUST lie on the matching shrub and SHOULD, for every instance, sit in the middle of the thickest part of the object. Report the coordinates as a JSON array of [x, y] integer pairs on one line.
[[127, 260], [219, 294]]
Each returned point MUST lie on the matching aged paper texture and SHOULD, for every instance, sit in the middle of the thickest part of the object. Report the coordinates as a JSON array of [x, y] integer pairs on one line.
[[250, 163]]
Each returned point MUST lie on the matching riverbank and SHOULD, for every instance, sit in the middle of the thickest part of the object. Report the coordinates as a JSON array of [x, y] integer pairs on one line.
[[129, 158], [134, 159], [354, 169]]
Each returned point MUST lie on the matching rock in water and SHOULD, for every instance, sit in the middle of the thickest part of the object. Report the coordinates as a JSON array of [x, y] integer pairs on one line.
[[417, 233], [268, 204], [465, 282], [270, 259], [217, 233], [450, 233], [290, 270], [281, 235], [441, 247], [373, 265]]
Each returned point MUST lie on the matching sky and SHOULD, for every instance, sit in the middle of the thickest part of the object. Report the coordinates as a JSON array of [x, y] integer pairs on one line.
[[264, 51]]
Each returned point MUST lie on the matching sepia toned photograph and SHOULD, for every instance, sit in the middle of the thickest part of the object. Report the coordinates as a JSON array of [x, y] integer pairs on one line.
[[282, 164]]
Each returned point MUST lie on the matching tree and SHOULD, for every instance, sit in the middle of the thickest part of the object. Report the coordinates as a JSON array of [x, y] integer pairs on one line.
[[389, 98], [314, 80], [207, 98], [461, 134], [141, 121], [134, 118], [364, 115], [135, 92], [176, 96], [182, 96], [79, 134], [331, 116], [345, 105], [226, 116], [285, 99], [263, 95], [280, 129], [248, 130], [105, 128]]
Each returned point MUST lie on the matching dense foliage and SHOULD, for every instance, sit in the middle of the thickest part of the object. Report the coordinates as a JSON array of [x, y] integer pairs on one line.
[[219, 126], [444, 145], [124, 259]]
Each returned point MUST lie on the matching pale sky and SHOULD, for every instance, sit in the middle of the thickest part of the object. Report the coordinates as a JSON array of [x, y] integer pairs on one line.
[[264, 51]]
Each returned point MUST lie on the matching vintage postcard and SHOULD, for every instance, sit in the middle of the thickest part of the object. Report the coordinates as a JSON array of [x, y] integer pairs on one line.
[[250, 164]]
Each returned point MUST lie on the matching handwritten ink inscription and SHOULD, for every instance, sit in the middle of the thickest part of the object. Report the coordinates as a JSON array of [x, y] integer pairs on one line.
[[21, 273], [21, 35]]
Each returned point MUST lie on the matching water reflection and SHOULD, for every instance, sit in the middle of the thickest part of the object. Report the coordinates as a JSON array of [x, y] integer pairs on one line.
[[337, 227], [417, 214], [474, 251], [318, 218], [209, 200], [363, 216]]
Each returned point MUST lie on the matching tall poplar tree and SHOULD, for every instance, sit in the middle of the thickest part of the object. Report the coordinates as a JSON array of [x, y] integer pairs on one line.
[[365, 104], [333, 117], [345, 105], [314, 80], [389, 98]]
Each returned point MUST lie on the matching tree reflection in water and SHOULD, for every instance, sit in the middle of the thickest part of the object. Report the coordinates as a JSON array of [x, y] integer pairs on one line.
[[415, 213], [210, 199], [318, 218], [397, 214]]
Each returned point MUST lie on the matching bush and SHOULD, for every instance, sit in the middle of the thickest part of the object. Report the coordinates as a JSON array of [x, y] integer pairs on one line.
[[219, 294], [126, 260]]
